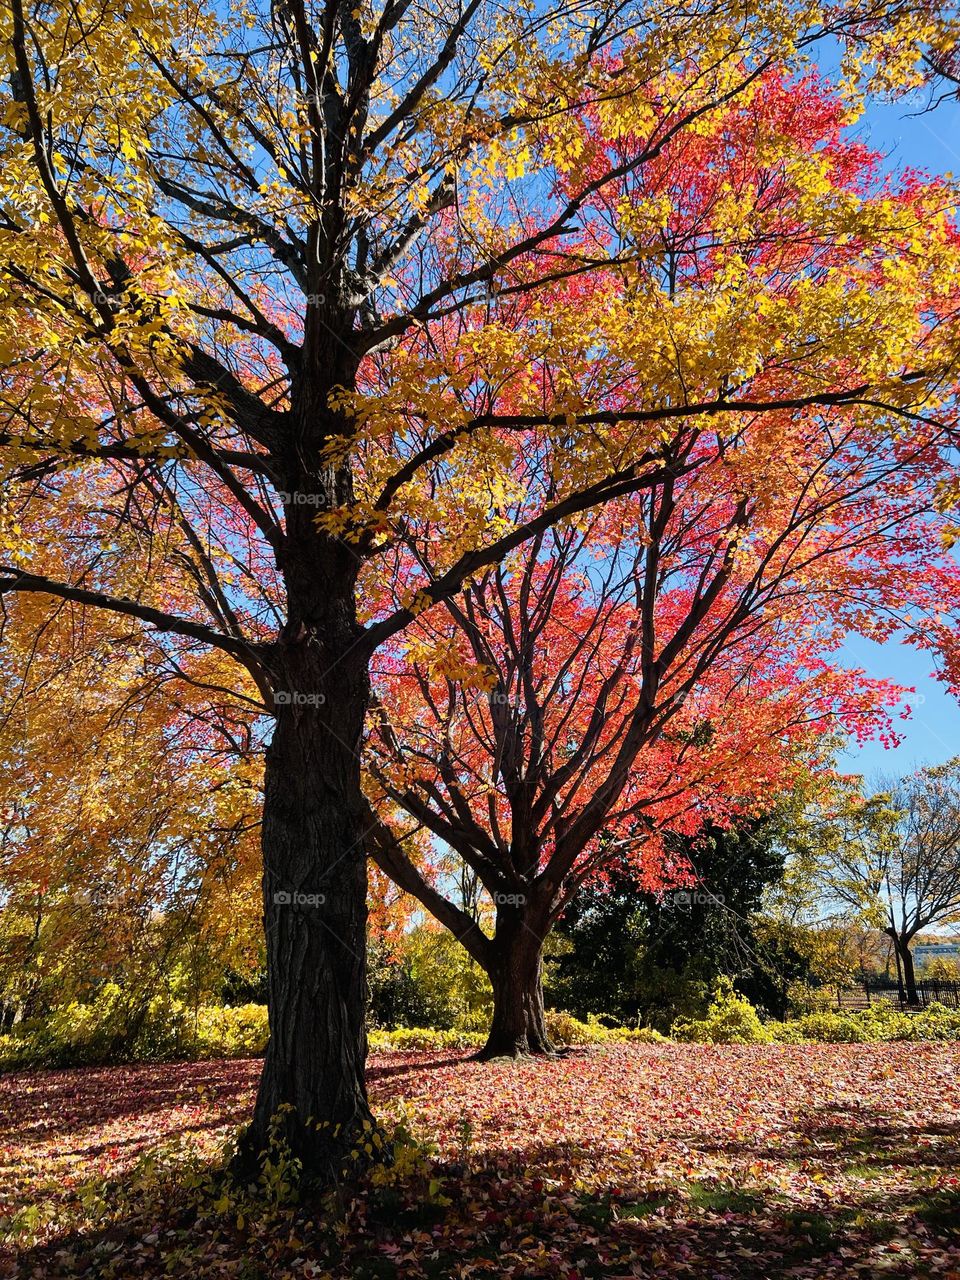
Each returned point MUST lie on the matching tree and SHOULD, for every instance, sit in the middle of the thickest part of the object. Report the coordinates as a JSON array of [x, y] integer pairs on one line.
[[228, 246], [592, 960], [520, 735], [649, 957], [707, 931], [896, 856], [523, 736], [128, 818], [426, 980], [620, 677]]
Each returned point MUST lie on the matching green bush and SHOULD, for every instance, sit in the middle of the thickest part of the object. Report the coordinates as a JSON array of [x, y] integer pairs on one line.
[[564, 1028], [784, 1032], [803, 998], [405, 1039], [834, 1028], [937, 1022], [111, 1028], [75, 1034], [239, 1031], [427, 979], [880, 1023], [643, 1035], [731, 1019]]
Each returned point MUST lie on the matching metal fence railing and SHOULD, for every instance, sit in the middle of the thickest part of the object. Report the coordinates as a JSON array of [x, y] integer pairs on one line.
[[929, 991]]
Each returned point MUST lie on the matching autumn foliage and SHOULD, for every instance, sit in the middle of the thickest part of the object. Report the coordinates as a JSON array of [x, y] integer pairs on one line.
[[316, 318], [670, 662]]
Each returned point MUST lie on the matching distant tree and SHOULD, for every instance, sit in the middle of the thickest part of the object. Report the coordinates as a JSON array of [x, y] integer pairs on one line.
[[129, 819], [895, 857], [425, 979], [798, 963], [942, 969], [591, 960]]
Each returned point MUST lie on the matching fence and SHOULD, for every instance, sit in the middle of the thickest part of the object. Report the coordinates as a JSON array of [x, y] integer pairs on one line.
[[929, 991]]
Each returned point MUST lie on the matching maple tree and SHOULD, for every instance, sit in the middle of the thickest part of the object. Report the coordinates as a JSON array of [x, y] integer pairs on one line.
[[561, 764], [667, 663], [230, 234]]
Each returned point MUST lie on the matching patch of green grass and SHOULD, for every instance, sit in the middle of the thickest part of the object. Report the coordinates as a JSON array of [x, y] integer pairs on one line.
[[861, 1169], [875, 1226], [940, 1209], [600, 1210], [595, 1211], [642, 1208], [814, 1234], [723, 1199]]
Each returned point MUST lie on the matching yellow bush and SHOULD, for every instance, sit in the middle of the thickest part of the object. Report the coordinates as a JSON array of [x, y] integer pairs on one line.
[[731, 1019]]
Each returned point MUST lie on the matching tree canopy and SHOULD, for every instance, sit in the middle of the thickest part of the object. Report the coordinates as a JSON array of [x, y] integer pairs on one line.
[[303, 295]]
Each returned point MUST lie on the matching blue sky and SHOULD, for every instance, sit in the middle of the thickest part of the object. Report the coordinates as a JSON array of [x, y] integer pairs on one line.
[[907, 136], [931, 732]]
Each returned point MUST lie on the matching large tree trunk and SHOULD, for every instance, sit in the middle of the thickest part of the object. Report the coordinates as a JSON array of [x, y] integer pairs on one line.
[[314, 858], [516, 975]]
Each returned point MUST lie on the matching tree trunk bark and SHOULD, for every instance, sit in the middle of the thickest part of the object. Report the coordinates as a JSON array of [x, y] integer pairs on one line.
[[312, 1088], [518, 1026], [314, 893], [909, 975]]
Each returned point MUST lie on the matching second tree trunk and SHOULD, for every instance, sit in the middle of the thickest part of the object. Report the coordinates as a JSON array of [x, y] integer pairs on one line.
[[516, 975]]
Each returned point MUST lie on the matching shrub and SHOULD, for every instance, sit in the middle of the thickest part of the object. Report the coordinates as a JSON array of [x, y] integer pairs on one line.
[[879, 1023], [784, 1032], [113, 1029], [802, 998], [426, 979], [406, 1039], [884, 1022], [642, 1035], [937, 1022], [109, 1029], [75, 1034], [731, 1019], [564, 1028], [834, 1028], [239, 1031]]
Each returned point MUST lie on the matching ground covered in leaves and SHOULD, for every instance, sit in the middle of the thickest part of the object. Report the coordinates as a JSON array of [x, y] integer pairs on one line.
[[664, 1160]]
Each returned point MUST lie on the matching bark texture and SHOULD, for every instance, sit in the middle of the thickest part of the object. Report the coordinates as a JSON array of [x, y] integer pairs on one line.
[[909, 973], [314, 854], [515, 970]]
